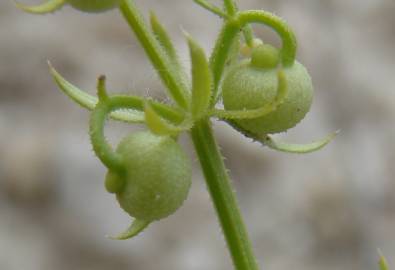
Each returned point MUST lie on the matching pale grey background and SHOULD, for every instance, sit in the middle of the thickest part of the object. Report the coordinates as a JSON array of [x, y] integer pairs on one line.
[[327, 210]]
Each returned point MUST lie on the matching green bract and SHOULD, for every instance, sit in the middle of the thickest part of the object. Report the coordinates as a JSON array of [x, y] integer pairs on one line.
[[254, 83], [157, 176], [93, 5]]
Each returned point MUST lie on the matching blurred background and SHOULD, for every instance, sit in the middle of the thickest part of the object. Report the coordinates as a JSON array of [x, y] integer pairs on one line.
[[327, 210]]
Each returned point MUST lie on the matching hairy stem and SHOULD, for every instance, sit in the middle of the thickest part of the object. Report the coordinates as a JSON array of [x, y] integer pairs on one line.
[[98, 117], [223, 196], [231, 9], [217, 180]]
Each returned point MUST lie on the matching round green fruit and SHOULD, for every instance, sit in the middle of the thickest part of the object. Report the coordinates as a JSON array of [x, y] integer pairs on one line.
[[157, 176], [252, 84]]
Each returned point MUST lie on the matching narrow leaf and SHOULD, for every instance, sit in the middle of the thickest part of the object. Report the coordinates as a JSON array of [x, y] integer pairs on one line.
[[134, 229], [212, 8], [165, 42], [89, 102], [163, 38], [297, 148], [176, 87], [47, 7], [201, 79]]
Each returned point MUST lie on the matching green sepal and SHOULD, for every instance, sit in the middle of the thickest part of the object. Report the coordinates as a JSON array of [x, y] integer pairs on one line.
[[46, 7], [278, 145], [281, 146], [160, 126], [201, 80], [133, 230]]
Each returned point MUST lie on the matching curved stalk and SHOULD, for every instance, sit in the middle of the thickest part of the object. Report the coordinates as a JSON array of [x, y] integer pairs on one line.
[[231, 9], [100, 145], [232, 27], [288, 50], [223, 196]]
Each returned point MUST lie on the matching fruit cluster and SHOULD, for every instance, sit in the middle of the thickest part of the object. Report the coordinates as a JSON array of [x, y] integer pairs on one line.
[[264, 91]]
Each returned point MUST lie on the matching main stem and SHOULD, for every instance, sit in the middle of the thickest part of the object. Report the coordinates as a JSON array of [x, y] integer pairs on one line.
[[206, 147], [223, 196]]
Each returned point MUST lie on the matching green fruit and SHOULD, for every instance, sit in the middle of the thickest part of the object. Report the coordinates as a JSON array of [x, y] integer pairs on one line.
[[93, 5], [157, 176], [265, 56], [253, 84]]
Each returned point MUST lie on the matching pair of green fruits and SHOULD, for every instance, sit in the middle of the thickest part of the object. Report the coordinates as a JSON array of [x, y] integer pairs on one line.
[[152, 175], [158, 172]]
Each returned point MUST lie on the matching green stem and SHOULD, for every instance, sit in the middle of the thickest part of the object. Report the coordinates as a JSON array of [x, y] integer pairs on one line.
[[248, 35], [288, 50], [231, 9], [210, 158], [155, 53], [223, 196], [100, 145]]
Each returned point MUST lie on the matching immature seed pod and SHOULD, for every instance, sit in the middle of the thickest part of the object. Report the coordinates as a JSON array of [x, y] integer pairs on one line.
[[156, 179], [253, 83], [93, 5]]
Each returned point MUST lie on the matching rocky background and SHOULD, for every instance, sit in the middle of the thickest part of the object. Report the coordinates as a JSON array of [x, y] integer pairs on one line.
[[326, 210]]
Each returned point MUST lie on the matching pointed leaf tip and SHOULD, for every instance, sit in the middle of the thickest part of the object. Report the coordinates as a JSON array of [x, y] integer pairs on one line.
[[79, 96], [165, 43], [278, 145], [101, 88], [89, 102], [134, 229], [46, 7], [163, 37], [382, 261], [201, 79]]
